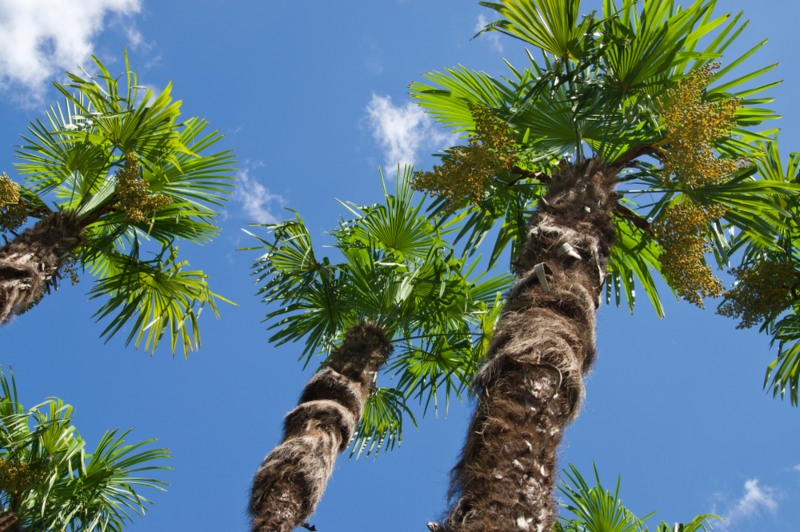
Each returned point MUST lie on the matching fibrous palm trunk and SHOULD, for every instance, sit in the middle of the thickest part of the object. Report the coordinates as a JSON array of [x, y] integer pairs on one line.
[[531, 386], [32, 260], [9, 522], [292, 478]]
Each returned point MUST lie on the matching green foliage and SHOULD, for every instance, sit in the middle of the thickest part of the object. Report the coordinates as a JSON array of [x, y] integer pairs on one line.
[[607, 86], [596, 509], [393, 267], [50, 482], [595, 91], [172, 187], [158, 296], [766, 291]]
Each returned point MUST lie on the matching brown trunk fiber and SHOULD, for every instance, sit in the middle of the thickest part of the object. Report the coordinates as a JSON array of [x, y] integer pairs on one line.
[[292, 478], [31, 261], [531, 386], [9, 522]]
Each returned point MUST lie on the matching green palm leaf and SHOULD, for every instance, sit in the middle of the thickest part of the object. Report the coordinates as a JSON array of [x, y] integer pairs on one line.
[[158, 296], [394, 267], [551, 25], [50, 481], [74, 157], [596, 509]]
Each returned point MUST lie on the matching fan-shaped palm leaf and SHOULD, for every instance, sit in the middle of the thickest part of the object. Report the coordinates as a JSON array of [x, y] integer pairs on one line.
[[596, 509], [49, 482]]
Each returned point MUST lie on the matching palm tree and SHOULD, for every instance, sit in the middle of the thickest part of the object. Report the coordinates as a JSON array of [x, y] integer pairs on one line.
[[48, 481], [113, 179], [596, 509], [613, 107], [397, 289]]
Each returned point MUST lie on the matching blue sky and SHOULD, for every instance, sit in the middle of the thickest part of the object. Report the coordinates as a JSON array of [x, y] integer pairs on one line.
[[312, 97]]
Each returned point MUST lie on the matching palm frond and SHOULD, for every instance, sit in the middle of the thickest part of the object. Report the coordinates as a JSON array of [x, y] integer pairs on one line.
[[74, 158], [55, 483], [394, 267], [381, 425], [153, 298], [592, 508]]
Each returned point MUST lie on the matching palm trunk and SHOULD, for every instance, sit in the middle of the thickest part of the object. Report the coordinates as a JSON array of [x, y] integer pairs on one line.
[[531, 387], [9, 522], [292, 478], [30, 262]]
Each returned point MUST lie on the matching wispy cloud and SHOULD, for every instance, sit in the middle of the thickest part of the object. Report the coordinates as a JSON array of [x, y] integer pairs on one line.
[[402, 131], [258, 203], [374, 61], [492, 37], [42, 39], [756, 500]]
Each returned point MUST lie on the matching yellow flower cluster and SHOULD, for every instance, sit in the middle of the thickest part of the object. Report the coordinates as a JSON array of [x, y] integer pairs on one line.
[[16, 477], [693, 125], [762, 291], [12, 210], [682, 235], [9, 191], [133, 192], [468, 170]]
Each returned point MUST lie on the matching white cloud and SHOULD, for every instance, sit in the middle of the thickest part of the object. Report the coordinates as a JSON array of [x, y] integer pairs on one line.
[[258, 203], [402, 131], [756, 500], [492, 37], [40, 39]]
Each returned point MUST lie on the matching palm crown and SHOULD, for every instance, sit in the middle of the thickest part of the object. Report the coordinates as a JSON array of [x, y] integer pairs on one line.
[[639, 86], [394, 268], [48, 480], [123, 177]]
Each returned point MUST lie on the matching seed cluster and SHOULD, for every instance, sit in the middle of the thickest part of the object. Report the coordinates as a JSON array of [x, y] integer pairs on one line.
[[12, 209], [682, 235], [762, 291], [16, 477], [693, 125], [133, 192], [468, 170]]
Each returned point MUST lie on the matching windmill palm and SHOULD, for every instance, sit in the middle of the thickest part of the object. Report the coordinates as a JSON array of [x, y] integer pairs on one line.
[[616, 107], [48, 480], [397, 297], [113, 179]]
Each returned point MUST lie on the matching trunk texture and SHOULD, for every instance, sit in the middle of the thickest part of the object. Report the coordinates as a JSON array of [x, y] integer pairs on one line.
[[292, 478], [32, 260], [9, 522], [531, 386]]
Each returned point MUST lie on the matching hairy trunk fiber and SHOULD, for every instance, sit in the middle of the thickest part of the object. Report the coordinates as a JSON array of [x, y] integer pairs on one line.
[[292, 478], [32, 260], [9, 522], [531, 387]]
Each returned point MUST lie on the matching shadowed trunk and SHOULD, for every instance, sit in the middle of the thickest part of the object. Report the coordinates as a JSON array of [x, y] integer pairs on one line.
[[9, 522], [292, 478], [32, 260], [531, 386]]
